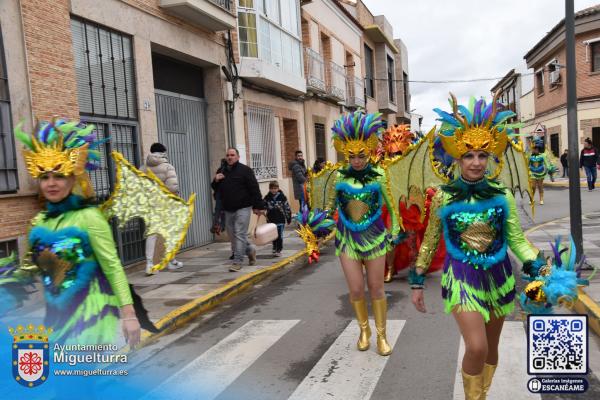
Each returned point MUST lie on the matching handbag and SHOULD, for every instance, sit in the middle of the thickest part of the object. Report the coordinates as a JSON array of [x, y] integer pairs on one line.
[[264, 233]]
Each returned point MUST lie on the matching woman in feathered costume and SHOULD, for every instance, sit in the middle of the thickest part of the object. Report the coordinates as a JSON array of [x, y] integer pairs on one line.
[[539, 167], [362, 238], [414, 210], [71, 243], [479, 220]]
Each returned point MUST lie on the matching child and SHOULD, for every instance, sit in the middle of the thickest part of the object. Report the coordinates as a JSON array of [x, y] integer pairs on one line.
[[279, 213]]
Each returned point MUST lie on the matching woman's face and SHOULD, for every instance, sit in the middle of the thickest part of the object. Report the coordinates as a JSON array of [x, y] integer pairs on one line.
[[56, 187], [473, 165], [358, 161]]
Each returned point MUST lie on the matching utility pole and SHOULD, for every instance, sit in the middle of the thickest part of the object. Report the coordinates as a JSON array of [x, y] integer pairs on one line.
[[574, 190]]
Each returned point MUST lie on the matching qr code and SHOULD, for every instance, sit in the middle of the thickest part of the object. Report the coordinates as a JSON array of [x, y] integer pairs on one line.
[[557, 344]]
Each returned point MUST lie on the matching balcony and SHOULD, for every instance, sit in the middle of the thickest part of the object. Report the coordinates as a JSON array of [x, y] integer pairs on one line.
[[356, 92], [336, 85], [315, 71], [215, 15]]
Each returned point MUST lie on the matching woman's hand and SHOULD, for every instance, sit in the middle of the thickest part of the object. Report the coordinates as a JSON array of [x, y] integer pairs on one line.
[[130, 325], [418, 300]]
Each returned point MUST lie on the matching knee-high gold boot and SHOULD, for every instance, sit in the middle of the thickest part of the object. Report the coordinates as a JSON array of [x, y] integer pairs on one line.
[[488, 375], [380, 313], [362, 316], [473, 385]]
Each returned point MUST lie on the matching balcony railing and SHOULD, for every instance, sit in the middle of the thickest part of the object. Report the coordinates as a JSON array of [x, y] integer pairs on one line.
[[356, 92], [336, 87], [315, 71], [225, 4]]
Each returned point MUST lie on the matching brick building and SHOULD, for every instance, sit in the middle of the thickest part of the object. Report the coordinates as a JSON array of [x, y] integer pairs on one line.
[[107, 63], [547, 59]]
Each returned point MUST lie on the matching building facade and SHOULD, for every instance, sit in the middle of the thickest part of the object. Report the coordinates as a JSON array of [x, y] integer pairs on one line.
[[141, 70], [547, 59]]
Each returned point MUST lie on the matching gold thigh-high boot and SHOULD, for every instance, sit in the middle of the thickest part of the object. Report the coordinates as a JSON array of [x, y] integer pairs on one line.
[[541, 189], [488, 375], [473, 385], [362, 316], [380, 313]]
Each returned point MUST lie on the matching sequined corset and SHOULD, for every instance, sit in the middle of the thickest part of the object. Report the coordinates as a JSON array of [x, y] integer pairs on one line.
[[59, 254], [536, 164], [358, 208], [475, 232]]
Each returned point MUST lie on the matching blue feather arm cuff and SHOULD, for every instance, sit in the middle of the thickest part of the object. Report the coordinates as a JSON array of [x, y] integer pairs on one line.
[[415, 280]]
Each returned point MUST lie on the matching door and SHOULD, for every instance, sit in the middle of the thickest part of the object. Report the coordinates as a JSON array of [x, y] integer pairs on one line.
[[182, 129]]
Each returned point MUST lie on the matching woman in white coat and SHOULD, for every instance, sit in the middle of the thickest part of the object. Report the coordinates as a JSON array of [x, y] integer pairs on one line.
[[158, 163]]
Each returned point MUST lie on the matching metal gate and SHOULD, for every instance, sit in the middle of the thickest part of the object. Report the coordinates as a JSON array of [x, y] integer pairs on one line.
[[182, 129]]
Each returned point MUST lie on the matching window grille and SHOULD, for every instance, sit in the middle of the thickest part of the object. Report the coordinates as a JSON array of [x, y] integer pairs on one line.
[[104, 71], [8, 162], [261, 137]]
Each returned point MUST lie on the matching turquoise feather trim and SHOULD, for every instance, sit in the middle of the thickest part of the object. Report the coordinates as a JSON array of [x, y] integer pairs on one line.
[[486, 261]]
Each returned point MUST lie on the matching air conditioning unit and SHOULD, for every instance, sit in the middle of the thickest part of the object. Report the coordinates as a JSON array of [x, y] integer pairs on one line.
[[554, 77]]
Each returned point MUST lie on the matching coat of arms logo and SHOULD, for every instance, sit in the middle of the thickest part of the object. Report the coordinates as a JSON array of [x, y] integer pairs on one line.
[[30, 354]]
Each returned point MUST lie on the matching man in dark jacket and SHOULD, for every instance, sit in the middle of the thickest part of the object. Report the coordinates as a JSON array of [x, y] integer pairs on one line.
[[564, 160], [240, 195], [588, 160], [299, 176]]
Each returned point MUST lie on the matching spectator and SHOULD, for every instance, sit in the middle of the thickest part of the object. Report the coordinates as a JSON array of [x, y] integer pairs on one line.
[[240, 195], [158, 163], [318, 165], [278, 213], [219, 215], [299, 176], [564, 160], [588, 160]]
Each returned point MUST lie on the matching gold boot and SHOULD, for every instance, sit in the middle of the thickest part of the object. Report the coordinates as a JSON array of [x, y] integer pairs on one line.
[[473, 385], [387, 278], [362, 316], [380, 313], [488, 375]]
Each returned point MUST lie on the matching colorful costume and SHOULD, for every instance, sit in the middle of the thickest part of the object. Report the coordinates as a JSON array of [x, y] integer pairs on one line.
[[359, 197], [539, 167], [479, 221], [71, 243]]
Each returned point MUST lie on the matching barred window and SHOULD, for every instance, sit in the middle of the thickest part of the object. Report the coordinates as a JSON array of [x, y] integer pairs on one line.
[[261, 135], [8, 247], [8, 162], [104, 70]]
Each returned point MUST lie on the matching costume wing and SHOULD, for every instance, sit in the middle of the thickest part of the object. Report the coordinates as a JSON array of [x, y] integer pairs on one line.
[[514, 170], [413, 172], [321, 187], [143, 195]]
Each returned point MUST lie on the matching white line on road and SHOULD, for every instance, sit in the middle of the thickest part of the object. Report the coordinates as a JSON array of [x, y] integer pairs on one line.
[[344, 372], [212, 372], [510, 380]]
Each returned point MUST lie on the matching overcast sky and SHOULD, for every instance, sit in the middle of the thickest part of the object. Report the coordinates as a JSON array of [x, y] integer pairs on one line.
[[466, 39]]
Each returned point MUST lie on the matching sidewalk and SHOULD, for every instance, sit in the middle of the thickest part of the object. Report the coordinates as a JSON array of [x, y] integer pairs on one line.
[[542, 235], [564, 182], [172, 298]]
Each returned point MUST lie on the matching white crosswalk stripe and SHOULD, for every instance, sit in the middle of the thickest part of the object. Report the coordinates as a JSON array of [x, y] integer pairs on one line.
[[345, 373], [212, 372], [510, 380]]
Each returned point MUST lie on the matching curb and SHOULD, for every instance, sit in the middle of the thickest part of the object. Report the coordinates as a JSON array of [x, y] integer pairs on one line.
[[182, 315], [582, 183], [585, 304]]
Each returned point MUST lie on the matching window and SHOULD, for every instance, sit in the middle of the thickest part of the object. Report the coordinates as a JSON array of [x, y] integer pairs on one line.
[[261, 138], [369, 67], [8, 162], [539, 82], [320, 142], [279, 41], [390, 78], [595, 56], [406, 96], [8, 247], [248, 37], [104, 68], [104, 71], [554, 144]]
